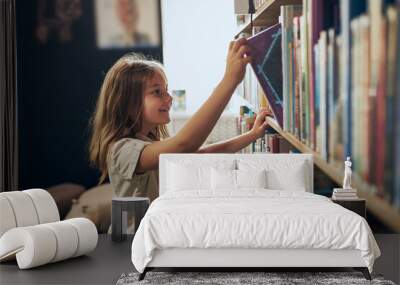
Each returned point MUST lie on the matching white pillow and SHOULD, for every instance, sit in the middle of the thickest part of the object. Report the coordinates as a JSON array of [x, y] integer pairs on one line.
[[251, 179], [292, 179], [188, 176], [237, 179], [282, 174], [223, 179]]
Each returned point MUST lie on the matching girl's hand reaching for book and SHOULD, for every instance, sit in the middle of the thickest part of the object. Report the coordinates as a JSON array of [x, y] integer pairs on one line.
[[260, 124], [236, 61]]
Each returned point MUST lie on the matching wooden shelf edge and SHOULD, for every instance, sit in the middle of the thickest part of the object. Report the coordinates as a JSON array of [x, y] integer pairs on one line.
[[389, 215], [245, 27], [263, 17]]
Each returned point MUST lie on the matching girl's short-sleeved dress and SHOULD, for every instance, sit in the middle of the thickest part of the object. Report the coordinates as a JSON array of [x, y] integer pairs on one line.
[[121, 164]]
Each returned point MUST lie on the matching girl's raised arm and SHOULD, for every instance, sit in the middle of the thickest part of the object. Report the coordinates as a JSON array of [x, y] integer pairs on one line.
[[196, 130]]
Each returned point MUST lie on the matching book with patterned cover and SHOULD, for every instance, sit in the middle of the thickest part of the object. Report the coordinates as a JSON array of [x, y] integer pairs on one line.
[[266, 52]]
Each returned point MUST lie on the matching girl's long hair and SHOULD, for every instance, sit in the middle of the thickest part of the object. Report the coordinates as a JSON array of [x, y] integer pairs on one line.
[[118, 112]]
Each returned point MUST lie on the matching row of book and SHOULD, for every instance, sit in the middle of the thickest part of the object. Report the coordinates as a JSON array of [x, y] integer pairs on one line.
[[341, 85]]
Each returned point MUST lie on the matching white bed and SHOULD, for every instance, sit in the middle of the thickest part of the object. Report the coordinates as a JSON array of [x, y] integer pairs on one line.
[[280, 225]]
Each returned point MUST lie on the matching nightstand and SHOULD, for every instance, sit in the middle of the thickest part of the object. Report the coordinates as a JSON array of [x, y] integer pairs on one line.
[[122, 209], [356, 205]]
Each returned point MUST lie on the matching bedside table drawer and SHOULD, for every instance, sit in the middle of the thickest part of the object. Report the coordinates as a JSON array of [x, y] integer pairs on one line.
[[357, 206]]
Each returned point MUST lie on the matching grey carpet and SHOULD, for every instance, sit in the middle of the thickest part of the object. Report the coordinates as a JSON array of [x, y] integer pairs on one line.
[[231, 278]]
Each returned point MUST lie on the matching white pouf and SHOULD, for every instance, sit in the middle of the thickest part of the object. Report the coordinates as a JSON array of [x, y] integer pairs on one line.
[[31, 230], [26, 208], [41, 244], [87, 235], [33, 246], [66, 237], [46, 207], [7, 218], [23, 208]]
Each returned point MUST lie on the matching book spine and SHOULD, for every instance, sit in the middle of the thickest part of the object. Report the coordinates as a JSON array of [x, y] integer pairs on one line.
[[304, 76], [364, 95], [396, 136], [317, 89], [354, 92], [345, 198], [304, 64], [346, 75], [297, 79], [380, 112], [338, 139], [392, 17], [330, 91], [323, 96], [285, 66], [312, 39], [374, 9]]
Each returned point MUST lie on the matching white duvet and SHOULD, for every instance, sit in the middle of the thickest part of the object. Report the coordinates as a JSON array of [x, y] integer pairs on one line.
[[253, 218]]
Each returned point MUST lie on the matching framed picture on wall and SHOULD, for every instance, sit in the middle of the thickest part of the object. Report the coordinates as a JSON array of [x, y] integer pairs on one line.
[[127, 23]]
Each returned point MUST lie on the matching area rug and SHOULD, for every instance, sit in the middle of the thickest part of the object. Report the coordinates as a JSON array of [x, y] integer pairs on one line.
[[232, 278]]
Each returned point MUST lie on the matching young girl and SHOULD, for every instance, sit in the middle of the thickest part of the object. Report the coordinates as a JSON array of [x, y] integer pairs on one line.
[[131, 116]]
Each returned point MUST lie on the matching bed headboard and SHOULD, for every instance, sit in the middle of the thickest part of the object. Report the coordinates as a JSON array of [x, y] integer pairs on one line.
[[210, 158]]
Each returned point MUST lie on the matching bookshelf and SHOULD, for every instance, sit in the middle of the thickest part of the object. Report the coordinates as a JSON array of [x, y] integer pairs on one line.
[[266, 15], [379, 207]]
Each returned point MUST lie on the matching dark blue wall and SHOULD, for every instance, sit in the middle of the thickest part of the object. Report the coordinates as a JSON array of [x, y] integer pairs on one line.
[[58, 85]]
